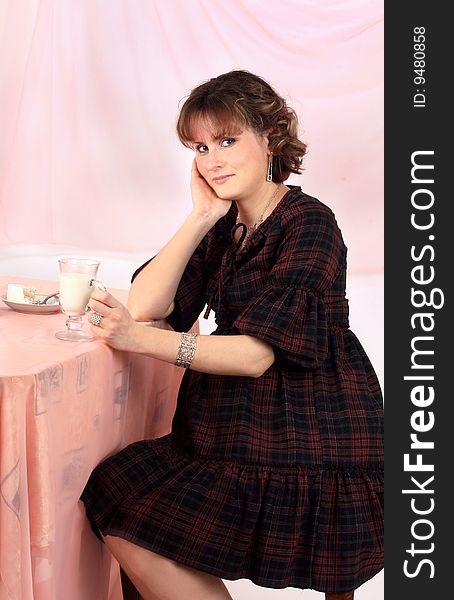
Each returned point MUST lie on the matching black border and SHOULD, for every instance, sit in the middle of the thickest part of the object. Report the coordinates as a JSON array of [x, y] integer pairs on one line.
[[409, 129]]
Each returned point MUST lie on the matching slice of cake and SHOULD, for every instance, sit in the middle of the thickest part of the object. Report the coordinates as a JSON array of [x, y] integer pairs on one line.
[[24, 294]]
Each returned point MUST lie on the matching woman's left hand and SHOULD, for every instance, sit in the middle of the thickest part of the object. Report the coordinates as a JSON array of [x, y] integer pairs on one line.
[[116, 325]]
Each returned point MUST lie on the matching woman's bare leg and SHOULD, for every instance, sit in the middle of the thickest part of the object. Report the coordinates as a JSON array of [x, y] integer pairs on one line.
[[342, 596], [159, 578]]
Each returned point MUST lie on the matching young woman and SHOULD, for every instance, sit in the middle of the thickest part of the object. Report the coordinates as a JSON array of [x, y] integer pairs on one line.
[[273, 470]]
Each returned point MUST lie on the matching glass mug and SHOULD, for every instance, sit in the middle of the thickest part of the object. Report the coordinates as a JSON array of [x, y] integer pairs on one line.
[[77, 280]]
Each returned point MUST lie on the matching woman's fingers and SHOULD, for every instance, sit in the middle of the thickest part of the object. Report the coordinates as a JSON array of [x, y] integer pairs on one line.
[[104, 298], [114, 325], [99, 307], [204, 197]]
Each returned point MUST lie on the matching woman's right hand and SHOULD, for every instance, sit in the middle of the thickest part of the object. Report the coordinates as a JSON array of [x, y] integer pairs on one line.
[[205, 201]]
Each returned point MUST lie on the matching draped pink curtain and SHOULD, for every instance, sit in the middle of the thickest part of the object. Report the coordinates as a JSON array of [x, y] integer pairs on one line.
[[89, 94]]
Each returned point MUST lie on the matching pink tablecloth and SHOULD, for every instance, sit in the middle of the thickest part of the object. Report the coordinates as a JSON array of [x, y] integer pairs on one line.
[[63, 408]]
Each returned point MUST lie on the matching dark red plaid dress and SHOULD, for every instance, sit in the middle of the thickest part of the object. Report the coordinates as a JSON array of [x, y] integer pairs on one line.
[[278, 479]]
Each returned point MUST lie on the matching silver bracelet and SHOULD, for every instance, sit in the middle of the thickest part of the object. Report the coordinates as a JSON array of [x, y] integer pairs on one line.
[[186, 350]]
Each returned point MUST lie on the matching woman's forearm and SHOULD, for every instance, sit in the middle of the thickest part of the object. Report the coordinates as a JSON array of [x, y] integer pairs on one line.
[[241, 355], [153, 290]]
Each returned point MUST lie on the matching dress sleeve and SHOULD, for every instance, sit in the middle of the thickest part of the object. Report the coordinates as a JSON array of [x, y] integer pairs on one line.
[[190, 295], [289, 311]]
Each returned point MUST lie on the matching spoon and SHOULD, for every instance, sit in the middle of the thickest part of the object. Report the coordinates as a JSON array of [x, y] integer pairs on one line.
[[44, 301]]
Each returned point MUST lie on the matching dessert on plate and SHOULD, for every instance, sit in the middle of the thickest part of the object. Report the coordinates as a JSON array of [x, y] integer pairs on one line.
[[23, 294]]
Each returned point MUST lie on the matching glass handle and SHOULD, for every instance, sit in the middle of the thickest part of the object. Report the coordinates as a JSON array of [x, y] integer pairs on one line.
[[98, 284]]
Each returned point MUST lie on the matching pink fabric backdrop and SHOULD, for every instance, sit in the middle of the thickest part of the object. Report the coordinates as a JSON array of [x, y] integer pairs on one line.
[[89, 93]]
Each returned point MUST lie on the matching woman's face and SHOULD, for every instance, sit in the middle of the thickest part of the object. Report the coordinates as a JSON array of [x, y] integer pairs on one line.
[[234, 165]]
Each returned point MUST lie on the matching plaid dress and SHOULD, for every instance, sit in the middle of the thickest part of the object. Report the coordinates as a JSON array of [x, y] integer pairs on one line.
[[278, 479]]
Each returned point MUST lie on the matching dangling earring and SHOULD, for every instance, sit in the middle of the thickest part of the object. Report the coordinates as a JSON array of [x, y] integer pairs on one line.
[[269, 173]]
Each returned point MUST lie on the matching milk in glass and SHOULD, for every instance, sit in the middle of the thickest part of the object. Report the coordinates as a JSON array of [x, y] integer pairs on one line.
[[75, 292]]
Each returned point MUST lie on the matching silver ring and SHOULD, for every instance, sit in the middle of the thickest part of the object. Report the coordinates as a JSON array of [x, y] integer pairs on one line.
[[96, 318]]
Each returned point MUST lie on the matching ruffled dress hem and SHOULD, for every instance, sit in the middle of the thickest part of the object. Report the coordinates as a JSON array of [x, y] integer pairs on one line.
[[276, 525]]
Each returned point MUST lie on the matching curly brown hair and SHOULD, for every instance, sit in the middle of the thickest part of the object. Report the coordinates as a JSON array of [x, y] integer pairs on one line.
[[239, 99]]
